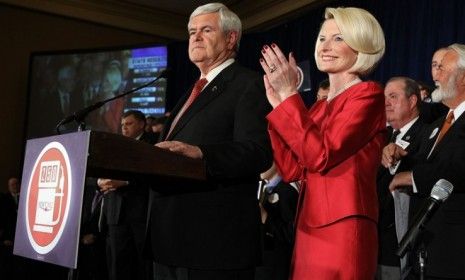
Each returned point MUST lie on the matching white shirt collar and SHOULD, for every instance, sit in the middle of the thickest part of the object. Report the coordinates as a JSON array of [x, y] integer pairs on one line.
[[217, 70], [459, 110], [406, 127]]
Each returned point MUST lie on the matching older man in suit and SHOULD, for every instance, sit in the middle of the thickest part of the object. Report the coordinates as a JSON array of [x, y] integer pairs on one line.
[[442, 155], [210, 229], [402, 100], [433, 109]]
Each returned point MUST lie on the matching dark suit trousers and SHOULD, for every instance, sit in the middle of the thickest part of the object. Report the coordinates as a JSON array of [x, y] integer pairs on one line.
[[166, 272], [125, 252]]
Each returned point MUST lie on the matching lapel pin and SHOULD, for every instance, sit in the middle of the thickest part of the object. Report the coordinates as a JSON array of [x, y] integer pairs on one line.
[[435, 131], [407, 137], [214, 88]]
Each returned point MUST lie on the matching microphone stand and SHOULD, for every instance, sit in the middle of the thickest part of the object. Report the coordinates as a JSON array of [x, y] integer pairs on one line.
[[80, 116], [422, 262]]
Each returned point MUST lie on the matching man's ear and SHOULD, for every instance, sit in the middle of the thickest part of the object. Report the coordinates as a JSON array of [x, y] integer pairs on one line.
[[461, 78], [413, 101], [232, 38]]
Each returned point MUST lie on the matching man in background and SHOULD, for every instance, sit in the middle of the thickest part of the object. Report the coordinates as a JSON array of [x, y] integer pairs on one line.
[[434, 109], [323, 90], [402, 101], [442, 156], [125, 210], [278, 205], [425, 91], [8, 215], [158, 125], [9, 204]]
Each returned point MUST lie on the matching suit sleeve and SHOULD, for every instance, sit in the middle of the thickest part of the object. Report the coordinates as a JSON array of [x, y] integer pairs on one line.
[[349, 129], [249, 152]]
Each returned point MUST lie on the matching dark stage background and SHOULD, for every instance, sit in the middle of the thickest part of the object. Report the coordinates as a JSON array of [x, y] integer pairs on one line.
[[414, 29]]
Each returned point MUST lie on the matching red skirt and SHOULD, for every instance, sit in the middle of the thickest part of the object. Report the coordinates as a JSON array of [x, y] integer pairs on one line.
[[346, 249]]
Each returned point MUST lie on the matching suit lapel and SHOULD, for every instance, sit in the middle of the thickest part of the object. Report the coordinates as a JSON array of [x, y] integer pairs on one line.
[[208, 94], [412, 133], [173, 114], [455, 129], [430, 137]]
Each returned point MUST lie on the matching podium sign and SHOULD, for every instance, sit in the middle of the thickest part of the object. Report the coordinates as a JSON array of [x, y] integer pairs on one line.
[[49, 212]]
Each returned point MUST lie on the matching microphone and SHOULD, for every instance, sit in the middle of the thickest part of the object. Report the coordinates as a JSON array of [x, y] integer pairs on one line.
[[440, 192], [80, 115]]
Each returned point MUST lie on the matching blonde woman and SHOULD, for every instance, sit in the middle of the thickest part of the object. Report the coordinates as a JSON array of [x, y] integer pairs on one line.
[[334, 148]]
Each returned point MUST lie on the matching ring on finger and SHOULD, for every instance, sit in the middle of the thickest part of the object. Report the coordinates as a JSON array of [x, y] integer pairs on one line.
[[273, 68]]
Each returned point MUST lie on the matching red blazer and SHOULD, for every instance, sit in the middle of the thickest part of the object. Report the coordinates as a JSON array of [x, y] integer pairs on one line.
[[336, 148]]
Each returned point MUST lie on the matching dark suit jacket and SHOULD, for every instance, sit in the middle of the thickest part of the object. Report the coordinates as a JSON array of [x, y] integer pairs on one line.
[[215, 224], [281, 215], [8, 216], [129, 203], [444, 236], [386, 224], [89, 218], [278, 233]]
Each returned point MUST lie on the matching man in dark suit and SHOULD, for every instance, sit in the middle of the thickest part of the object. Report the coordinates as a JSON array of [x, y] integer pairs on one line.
[[443, 156], [92, 262], [211, 229], [278, 206], [125, 211], [9, 206], [9, 264], [403, 101]]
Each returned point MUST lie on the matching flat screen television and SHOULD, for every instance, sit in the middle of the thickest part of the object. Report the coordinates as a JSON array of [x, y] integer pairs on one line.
[[61, 83]]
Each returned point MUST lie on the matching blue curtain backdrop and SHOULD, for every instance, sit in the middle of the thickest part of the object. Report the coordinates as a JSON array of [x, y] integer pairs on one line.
[[414, 29]]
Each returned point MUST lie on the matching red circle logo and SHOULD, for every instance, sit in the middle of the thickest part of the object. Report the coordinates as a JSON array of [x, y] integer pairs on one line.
[[48, 197]]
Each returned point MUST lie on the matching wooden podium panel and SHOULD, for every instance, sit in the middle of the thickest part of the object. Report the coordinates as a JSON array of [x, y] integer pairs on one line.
[[120, 157]]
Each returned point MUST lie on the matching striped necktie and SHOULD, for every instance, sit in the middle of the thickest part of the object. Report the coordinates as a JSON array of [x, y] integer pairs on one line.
[[196, 90]]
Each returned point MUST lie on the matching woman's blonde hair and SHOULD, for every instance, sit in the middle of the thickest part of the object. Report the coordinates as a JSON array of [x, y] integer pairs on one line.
[[361, 32]]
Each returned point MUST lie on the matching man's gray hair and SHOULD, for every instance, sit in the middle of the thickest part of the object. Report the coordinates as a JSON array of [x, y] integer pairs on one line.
[[411, 88], [229, 21], [460, 50]]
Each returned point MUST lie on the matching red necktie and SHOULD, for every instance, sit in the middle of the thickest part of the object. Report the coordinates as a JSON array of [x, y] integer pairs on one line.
[[445, 127], [198, 86]]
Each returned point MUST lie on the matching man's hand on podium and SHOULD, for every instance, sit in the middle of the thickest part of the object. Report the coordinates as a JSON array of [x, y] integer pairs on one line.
[[181, 148]]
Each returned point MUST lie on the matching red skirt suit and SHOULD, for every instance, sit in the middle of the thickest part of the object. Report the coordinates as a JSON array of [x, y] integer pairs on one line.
[[335, 149]]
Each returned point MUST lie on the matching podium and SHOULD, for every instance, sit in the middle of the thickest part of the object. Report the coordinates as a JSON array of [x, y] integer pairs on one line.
[[54, 172], [116, 156]]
